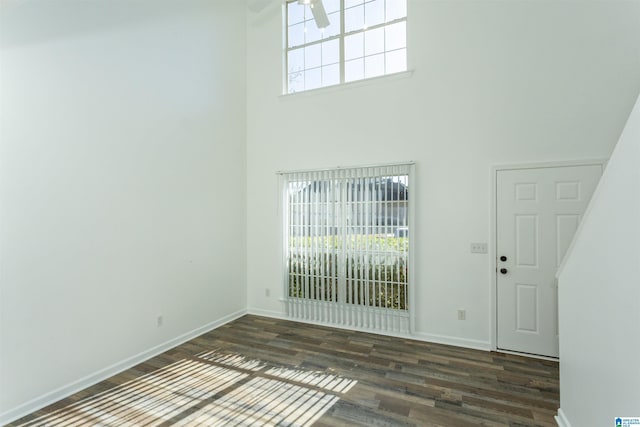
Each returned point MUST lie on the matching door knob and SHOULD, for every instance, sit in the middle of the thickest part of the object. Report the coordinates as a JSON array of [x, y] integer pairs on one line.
[[503, 258], [504, 271]]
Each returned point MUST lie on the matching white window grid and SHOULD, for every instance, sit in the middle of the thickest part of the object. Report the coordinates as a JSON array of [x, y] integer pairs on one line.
[[341, 35]]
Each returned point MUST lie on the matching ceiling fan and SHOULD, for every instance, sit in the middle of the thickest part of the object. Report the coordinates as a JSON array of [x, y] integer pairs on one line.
[[317, 9], [319, 14]]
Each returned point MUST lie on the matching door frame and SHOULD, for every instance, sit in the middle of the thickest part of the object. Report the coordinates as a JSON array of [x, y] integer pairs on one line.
[[494, 230]]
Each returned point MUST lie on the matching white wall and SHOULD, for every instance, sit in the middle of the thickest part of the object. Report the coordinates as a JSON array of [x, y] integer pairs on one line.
[[495, 82], [122, 183], [599, 297]]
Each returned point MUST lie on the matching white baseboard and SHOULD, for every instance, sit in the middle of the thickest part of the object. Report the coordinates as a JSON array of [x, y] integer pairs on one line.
[[455, 341], [561, 419], [69, 389], [529, 355], [268, 313], [418, 336]]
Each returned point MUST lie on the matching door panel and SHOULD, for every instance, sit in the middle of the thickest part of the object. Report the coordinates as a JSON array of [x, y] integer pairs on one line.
[[538, 213], [527, 308], [566, 226], [526, 240]]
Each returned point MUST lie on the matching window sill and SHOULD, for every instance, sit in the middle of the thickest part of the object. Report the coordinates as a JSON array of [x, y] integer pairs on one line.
[[348, 85]]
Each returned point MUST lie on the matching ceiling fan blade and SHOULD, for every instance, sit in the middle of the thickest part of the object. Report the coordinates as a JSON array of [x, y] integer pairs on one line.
[[319, 14]]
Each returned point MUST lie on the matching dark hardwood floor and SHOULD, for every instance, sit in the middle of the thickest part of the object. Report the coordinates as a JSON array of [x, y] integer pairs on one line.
[[261, 371]]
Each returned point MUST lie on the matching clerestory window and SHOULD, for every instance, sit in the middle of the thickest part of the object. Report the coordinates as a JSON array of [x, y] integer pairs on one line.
[[329, 42]]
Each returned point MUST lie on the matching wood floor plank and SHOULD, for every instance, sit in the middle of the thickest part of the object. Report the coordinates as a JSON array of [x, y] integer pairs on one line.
[[263, 371]]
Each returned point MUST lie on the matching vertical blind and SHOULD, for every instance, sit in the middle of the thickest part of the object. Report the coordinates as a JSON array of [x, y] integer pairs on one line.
[[346, 246]]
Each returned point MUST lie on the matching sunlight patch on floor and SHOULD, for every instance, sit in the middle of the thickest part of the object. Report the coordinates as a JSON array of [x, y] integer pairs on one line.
[[215, 388]]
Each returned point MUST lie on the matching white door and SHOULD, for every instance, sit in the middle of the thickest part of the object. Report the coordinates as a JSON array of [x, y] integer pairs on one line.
[[537, 213]]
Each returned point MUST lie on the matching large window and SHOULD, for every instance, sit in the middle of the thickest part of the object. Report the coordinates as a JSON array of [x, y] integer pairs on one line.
[[347, 244], [363, 39]]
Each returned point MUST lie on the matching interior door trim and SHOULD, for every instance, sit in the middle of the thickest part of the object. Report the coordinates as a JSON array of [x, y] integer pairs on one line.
[[493, 335]]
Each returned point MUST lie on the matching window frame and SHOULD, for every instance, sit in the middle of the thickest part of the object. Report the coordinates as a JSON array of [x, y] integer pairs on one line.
[[341, 36]]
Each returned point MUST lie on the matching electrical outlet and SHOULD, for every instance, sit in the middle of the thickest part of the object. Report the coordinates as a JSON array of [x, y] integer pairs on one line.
[[159, 320], [462, 314], [267, 292], [479, 248]]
